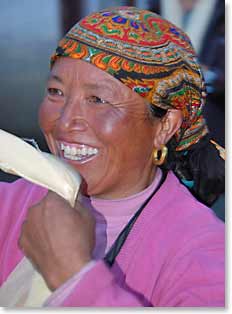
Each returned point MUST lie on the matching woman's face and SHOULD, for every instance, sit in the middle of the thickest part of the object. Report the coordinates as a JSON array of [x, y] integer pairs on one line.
[[99, 126]]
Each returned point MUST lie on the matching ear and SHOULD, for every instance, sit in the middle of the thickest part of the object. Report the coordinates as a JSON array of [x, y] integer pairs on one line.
[[169, 124]]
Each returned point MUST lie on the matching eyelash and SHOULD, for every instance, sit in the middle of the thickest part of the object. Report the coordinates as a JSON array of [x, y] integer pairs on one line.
[[98, 100], [55, 92], [93, 99]]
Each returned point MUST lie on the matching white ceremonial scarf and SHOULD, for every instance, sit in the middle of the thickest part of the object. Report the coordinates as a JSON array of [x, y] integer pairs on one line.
[[24, 287]]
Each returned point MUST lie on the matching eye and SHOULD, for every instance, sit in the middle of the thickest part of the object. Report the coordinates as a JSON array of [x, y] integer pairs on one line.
[[54, 92], [97, 100]]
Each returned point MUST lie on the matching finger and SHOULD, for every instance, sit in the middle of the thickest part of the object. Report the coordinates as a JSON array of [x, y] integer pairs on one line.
[[52, 196]]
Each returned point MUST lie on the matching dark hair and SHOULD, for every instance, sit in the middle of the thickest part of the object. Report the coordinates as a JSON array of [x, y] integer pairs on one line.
[[200, 167]]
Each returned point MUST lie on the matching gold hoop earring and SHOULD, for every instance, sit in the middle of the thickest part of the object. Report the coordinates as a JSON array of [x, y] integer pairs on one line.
[[159, 155]]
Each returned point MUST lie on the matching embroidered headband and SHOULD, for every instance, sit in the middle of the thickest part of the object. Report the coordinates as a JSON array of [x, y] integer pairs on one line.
[[149, 55]]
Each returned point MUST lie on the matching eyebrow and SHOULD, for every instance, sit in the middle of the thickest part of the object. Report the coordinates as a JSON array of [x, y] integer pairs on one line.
[[55, 77]]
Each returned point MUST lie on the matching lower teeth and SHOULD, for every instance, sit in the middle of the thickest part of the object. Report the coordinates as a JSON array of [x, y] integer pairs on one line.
[[76, 157]]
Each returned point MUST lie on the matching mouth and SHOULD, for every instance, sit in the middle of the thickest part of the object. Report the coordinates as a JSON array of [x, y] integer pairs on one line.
[[77, 152]]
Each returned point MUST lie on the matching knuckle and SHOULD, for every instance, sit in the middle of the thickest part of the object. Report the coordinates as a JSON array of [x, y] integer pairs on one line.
[[53, 200]]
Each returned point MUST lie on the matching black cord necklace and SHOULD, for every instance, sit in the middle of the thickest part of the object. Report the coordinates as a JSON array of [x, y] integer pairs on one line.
[[116, 247]]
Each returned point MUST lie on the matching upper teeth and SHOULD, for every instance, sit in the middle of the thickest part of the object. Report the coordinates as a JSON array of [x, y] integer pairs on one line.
[[84, 151]]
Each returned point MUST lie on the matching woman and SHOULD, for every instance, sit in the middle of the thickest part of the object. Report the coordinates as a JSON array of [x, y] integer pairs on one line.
[[124, 85]]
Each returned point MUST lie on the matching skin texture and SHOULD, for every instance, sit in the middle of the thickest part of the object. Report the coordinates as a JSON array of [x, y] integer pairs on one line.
[[86, 106]]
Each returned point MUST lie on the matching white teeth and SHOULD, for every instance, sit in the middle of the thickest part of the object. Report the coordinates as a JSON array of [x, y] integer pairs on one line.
[[90, 151], [74, 153], [67, 149], [84, 151]]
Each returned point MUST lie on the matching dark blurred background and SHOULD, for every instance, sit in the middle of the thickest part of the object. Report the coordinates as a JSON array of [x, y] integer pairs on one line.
[[30, 30]]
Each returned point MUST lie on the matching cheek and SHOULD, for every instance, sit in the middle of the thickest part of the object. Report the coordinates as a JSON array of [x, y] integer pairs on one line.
[[48, 115], [107, 124]]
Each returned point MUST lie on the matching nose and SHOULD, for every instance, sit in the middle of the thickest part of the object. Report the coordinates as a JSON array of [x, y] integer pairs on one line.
[[73, 117], [76, 124]]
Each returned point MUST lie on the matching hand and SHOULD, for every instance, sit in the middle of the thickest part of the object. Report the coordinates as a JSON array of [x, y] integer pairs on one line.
[[58, 239]]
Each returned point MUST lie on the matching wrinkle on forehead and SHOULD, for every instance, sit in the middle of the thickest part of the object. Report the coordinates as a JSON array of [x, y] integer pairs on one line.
[[99, 85]]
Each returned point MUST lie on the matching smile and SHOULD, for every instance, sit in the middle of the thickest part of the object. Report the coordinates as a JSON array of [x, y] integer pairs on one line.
[[78, 153]]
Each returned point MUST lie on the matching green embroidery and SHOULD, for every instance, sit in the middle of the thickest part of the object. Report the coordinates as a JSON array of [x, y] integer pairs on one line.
[[158, 31], [106, 59], [110, 31], [93, 51], [134, 35]]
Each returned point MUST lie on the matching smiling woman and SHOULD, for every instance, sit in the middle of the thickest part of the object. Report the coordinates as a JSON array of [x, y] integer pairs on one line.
[[124, 107], [83, 115]]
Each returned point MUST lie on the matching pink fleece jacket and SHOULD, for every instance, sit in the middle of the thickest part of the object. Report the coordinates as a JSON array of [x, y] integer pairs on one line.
[[174, 255]]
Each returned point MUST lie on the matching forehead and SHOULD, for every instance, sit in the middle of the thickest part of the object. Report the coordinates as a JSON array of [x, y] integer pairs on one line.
[[66, 67]]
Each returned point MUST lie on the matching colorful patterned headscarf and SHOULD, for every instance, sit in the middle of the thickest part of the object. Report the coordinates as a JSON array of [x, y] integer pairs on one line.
[[149, 55]]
